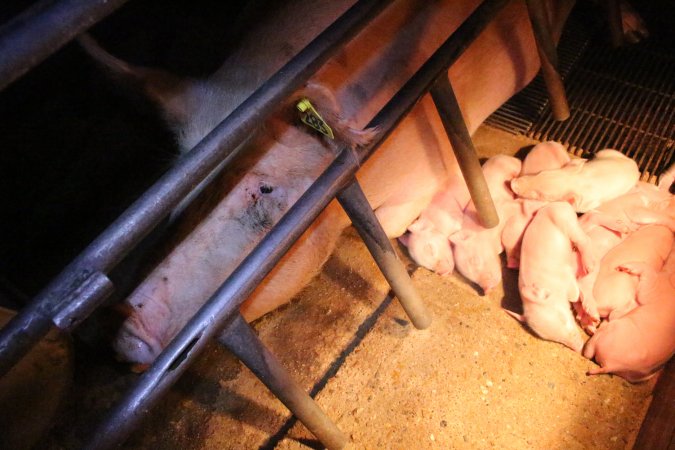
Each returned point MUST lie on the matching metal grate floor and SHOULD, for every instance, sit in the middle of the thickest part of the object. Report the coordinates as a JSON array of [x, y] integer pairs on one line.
[[619, 98]]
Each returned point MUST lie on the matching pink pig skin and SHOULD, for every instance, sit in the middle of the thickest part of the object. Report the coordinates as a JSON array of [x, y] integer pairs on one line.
[[607, 226], [429, 247], [476, 249], [446, 210], [584, 184], [638, 344], [548, 270], [613, 293], [602, 240], [427, 237], [667, 178], [544, 156], [514, 228]]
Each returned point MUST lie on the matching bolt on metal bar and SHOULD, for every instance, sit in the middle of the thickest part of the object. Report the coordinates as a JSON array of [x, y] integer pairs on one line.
[[29, 38], [451, 116], [549, 59], [354, 202], [215, 313], [241, 340], [110, 247]]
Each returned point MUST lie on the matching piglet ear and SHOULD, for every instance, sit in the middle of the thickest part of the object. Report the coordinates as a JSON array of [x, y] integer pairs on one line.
[[163, 88]]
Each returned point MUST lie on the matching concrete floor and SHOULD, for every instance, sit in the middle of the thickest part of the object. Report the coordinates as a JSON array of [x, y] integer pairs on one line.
[[475, 379]]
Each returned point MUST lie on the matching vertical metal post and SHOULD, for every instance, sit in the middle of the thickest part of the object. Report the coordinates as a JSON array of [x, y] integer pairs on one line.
[[242, 341], [549, 59], [354, 202], [613, 14], [453, 122]]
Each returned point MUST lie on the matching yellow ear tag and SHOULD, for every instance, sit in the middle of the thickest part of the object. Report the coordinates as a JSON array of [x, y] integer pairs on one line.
[[311, 118]]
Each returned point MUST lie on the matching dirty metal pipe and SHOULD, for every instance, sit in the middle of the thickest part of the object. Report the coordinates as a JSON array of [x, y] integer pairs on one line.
[[354, 202], [451, 116], [108, 249], [241, 340], [548, 56], [215, 313], [29, 38]]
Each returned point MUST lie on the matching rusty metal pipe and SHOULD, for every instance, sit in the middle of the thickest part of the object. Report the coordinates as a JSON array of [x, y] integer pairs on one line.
[[451, 116], [241, 340], [355, 203], [549, 59]]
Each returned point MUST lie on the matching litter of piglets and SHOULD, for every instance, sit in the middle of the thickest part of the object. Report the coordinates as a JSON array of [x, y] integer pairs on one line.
[[590, 241]]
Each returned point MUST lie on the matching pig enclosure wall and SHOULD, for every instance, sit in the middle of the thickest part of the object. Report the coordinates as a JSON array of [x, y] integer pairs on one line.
[[64, 123]]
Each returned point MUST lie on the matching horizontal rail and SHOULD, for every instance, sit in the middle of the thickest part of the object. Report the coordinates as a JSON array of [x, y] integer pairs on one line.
[[29, 38], [216, 149], [208, 322]]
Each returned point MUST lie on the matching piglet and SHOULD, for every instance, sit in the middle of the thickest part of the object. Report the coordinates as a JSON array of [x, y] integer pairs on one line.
[[637, 345], [428, 247], [548, 270], [522, 212], [543, 156], [613, 294], [608, 226], [476, 249], [427, 237], [547, 155], [584, 184]]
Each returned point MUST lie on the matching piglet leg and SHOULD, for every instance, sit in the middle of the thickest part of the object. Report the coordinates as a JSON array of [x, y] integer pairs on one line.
[[582, 243]]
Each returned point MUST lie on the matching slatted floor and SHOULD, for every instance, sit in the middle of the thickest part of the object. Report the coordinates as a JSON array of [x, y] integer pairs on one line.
[[619, 98]]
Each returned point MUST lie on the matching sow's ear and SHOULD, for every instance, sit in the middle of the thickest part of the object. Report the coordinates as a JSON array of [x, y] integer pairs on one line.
[[325, 103], [168, 91]]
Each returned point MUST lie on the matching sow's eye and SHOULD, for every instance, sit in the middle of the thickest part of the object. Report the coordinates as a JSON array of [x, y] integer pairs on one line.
[[266, 189]]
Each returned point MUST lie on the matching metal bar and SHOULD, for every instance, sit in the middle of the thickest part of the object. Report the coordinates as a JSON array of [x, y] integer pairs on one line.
[[613, 12], [242, 341], [443, 57], [451, 116], [549, 59], [29, 38], [33, 322], [354, 202], [74, 310], [204, 325]]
